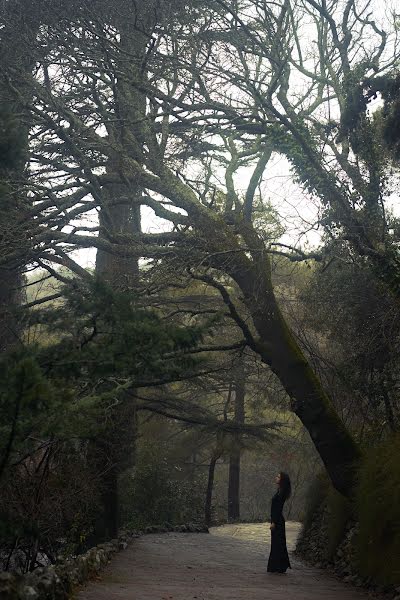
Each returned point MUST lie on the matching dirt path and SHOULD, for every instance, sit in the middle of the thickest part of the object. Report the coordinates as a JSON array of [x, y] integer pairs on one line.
[[230, 563]]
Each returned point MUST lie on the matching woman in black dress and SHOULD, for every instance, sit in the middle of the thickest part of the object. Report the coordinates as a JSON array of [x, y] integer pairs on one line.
[[279, 559]]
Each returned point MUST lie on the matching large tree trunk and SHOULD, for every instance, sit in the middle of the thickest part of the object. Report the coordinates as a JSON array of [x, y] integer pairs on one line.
[[278, 348], [120, 211], [17, 50], [236, 449], [120, 215]]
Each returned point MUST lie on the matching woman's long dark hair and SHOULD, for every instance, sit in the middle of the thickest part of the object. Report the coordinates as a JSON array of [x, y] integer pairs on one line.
[[285, 487]]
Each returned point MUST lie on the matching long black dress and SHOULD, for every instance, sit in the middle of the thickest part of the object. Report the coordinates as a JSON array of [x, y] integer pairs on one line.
[[278, 560]]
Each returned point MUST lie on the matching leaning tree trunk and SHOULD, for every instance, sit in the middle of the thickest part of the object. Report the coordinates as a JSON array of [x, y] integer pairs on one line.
[[246, 260], [279, 349], [236, 449]]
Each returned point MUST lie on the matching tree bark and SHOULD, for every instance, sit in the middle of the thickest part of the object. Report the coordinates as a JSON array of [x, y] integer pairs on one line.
[[120, 212]]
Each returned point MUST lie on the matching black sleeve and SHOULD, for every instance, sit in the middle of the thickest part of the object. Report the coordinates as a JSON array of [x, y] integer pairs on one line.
[[276, 508]]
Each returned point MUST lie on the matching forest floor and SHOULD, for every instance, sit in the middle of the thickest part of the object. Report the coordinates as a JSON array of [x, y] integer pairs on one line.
[[230, 563]]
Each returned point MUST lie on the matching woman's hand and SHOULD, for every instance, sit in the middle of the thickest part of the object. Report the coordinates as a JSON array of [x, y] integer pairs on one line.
[[272, 526]]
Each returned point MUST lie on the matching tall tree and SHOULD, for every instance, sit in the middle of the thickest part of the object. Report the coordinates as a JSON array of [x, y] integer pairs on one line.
[[119, 214], [197, 129]]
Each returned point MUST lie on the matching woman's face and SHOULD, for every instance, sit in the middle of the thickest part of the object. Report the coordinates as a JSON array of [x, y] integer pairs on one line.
[[278, 479]]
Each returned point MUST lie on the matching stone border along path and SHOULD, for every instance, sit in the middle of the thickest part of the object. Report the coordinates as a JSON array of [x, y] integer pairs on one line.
[[230, 563]]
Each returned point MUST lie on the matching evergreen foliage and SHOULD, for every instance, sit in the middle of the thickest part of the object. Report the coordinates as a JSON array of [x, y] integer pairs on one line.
[[157, 492], [57, 400], [103, 333], [39, 451], [26, 399], [357, 329]]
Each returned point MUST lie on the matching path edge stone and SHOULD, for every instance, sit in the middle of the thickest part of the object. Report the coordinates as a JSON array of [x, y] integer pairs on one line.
[[59, 581], [311, 548]]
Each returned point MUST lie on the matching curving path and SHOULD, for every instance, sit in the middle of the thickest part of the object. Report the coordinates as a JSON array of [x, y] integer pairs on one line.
[[228, 564]]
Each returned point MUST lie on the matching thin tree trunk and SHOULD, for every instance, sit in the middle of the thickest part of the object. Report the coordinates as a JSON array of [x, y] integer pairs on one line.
[[234, 483], [209, 492], [236, 450], [110, 503], [217, 453]]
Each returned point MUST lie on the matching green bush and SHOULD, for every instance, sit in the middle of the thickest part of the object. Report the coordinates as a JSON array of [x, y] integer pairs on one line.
[[339, 513], [315, 498], [376, 507], [377, 545], [156, 493], [324, 502]]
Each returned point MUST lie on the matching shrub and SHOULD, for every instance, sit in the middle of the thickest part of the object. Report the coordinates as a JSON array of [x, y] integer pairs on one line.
[[324, 503], [340, 511], [47, 505], [377, 545], [156, 493], [315, 497]]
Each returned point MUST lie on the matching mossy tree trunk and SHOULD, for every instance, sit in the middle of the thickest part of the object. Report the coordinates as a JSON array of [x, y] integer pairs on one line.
[[279, 349], [241, 253]]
